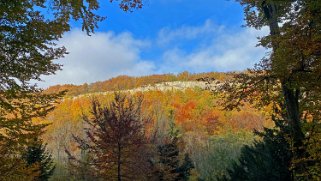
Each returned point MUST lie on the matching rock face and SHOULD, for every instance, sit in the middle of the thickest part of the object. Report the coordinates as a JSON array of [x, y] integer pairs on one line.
[[168, 86], [177, 85]]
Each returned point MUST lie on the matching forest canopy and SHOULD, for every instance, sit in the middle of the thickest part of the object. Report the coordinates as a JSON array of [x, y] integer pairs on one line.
[[258, 124]]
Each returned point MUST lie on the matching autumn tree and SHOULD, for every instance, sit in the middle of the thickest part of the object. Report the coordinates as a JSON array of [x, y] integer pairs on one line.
[[17, 129], [29, 30], [289, 76], [14, 168], [115, 136]]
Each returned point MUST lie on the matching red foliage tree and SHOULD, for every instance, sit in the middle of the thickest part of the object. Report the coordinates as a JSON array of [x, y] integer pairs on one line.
[[115, 138]]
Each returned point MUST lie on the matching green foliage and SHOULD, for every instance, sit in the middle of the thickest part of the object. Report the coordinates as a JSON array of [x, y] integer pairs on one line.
[[184, 171], [28, 34], [169, 161], [82, 170], [214, 155], [168, 164], [14, 168], [17, 129], [173, 131], [313, 159], [288, 77], [36, 154], [268, 159]]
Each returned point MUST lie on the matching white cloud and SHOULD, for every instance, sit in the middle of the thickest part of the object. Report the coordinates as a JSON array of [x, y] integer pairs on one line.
[[99, 57], [226, 51], [167, 35], [105, 55]]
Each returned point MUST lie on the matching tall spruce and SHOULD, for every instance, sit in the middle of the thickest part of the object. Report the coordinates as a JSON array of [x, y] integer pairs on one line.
[[269, 159], [37, 155], [169, 165]]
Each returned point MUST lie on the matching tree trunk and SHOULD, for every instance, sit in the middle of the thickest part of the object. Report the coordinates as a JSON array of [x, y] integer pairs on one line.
[[291, 95], [119, 163]]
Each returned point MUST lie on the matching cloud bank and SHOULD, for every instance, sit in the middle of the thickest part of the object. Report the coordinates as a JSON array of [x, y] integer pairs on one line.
[[218, 49], [99, 57], [207, 47]]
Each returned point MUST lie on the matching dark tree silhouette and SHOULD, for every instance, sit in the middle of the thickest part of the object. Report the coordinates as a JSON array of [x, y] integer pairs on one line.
[[268, 159], [29, 31], [287, 77], [115, 137], [37, 155], [168, 164]]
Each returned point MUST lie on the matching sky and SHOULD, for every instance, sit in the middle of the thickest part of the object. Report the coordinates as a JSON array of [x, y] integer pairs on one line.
[[165, 36]]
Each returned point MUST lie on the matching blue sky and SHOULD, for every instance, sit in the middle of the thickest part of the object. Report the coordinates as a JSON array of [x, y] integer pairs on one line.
[[165, 36], [157, 14]]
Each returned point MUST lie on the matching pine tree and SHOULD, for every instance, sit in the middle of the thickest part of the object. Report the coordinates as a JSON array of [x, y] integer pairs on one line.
[[37, 155], [168, 161], [17, 129], [168, 165], [184, 171], [269, 159]]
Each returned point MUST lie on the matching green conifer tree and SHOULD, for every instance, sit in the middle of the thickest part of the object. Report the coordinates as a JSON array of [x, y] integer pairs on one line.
[[269, 159], [37, 155], [169, 165]]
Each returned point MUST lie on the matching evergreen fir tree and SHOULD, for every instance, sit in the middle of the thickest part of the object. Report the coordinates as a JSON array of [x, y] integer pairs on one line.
[[269, 159], [168, 165], [168, 161], [37, 155], [184, 171]]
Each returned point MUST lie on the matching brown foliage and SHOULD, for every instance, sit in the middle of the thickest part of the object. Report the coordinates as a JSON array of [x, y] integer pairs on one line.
[[115, 137]]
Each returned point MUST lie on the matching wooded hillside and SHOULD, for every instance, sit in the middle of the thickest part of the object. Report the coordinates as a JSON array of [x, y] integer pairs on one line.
[[211, 136]]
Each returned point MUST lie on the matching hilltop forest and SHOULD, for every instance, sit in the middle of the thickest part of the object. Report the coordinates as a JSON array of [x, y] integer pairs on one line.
[[263, 123], [210, 136]]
